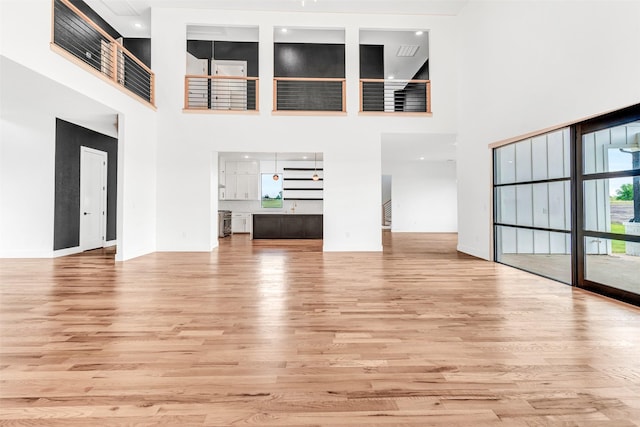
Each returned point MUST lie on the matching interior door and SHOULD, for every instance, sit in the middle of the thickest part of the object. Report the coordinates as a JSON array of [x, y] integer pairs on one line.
[[198, 87], [93, 198], [229, 94]]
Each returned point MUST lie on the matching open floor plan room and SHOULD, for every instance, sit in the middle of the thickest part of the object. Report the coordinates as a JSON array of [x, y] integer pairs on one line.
[[279, 333]]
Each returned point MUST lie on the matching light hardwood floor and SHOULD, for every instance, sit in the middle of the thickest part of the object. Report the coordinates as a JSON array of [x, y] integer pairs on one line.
[[277, 333]]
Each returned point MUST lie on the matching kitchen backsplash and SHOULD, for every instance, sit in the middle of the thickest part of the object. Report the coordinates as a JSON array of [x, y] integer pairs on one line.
[[253, 206]]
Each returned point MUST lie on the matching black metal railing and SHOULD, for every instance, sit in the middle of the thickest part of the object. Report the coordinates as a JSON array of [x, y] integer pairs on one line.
[[220, 93], [79, 36], [309, 94], [395, 96]]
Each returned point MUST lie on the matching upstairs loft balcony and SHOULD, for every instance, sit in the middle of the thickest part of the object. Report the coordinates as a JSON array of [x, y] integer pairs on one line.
[[395, 96], [221, 93], [81, 39], [306, 95], [315, 95]]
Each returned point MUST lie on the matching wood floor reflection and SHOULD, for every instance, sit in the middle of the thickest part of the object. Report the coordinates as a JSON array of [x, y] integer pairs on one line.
[[278, 333]]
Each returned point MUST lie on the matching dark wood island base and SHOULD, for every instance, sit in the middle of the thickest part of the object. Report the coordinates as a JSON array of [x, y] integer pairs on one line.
[[287, 226]]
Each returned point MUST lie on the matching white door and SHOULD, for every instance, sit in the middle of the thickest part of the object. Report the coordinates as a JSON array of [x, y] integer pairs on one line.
[[198, 87], [229, 94], [93, 198]]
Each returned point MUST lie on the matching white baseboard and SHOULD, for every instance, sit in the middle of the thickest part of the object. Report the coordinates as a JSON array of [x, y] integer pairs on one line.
[[67, 251], [472, 251]]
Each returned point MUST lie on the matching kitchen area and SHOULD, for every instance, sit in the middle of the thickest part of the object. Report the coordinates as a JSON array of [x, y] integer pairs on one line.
[[270, 195]]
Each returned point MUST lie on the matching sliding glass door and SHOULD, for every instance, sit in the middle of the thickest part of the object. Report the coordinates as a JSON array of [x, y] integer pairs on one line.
[[533, 205], [567, 204], [608, 199]]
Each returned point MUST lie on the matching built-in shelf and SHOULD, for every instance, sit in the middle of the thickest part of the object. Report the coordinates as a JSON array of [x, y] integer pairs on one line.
[[302, 186]]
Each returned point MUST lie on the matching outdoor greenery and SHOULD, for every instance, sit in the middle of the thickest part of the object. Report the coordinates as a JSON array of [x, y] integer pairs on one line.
[[625, 192], [617, 246]]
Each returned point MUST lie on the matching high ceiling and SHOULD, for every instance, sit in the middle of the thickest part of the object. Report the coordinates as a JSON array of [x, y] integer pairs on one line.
[[123, 15], [132, 17]]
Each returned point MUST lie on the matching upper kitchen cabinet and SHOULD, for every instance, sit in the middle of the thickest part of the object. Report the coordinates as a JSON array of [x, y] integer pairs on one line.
[[241, 180], [243, 168]]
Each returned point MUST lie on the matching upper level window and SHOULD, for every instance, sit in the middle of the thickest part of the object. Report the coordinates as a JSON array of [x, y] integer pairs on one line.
[[222, 68], [394, 71]]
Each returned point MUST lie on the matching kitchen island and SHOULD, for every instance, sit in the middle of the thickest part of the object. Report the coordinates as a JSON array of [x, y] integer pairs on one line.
[[287, 226]]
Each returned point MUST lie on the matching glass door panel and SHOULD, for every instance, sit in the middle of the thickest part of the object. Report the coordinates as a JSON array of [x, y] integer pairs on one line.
[[610, 197]]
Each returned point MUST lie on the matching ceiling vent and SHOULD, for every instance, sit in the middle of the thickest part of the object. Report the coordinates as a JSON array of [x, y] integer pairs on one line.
[[121, 7], [407, 50]]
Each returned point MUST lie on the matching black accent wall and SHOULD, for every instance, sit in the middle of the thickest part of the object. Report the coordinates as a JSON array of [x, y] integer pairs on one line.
[[140, 48], [371, 61], [76, 36], [238, 51], [312, 60], [91, 14], [69, 138], [201, 49], [372, 67], [423, 72], [308, 60], [229, 51]]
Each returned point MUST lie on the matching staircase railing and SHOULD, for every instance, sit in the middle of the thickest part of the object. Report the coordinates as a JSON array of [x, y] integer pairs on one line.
[[386, 213]]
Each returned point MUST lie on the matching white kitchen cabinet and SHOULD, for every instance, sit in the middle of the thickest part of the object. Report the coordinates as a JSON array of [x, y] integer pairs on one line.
[[243, 168], [241, 180], [240, 222], [241, 187], [222, 174]]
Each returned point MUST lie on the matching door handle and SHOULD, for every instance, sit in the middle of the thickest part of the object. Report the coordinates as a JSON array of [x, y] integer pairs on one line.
[[87, 213]]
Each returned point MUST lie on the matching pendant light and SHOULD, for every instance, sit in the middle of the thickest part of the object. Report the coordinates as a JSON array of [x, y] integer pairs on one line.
[[275, 175], [315, 176]]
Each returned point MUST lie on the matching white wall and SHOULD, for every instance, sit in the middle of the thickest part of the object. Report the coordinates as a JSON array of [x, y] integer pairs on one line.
[[27, 226], [350, 144], [529, 65], [424, 196]]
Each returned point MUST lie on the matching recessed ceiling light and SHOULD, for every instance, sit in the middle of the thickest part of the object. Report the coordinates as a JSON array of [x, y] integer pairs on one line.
[[391, 77], [419, 33], [304, 157], [421, 158], [137, 25], [284, 30], [246, 157]]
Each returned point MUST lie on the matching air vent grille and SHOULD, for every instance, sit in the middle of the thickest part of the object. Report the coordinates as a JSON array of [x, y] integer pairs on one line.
[[407, 50]]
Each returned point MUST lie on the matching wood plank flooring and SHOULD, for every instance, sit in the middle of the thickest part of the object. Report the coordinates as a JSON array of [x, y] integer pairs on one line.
[[277, 333]]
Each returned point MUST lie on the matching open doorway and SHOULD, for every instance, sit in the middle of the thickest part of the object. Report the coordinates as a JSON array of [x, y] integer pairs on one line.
[[86, 173], [259, 186], [386, 202]]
